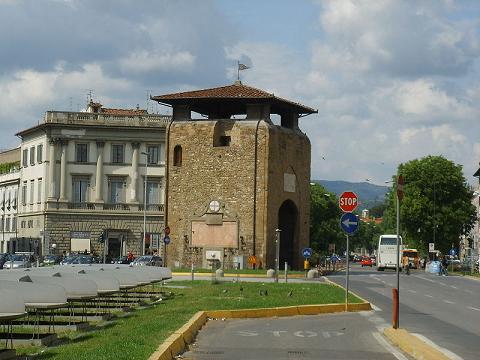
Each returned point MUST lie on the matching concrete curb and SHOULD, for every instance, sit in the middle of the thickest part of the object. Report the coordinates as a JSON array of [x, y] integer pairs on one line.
[[178, 341], [413, 345], [230, 275]]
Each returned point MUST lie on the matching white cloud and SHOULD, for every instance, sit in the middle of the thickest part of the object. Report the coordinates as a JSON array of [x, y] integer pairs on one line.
[[146, 61]]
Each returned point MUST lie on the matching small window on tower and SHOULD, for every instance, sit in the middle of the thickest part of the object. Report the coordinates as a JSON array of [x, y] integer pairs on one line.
[[177, 156], [225, 140]]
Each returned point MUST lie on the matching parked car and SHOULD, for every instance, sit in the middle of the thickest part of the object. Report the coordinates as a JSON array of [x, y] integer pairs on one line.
[[83, 259], [3, 259], [18, 261], [366, 261], [148, 260], [52, 259], [68, 260], [122, 260]]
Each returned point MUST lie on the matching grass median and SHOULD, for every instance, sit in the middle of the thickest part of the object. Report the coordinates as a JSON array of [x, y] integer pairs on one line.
[[138, 335]]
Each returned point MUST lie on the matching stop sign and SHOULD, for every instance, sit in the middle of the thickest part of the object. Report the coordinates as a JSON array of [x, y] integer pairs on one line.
[[348, 201]]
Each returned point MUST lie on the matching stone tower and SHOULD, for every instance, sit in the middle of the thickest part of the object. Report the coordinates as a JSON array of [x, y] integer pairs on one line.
[[234, 177]]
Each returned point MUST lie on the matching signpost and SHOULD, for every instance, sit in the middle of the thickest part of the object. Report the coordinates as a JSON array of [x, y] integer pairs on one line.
[[396, 310], [431, 247], [348, 202]]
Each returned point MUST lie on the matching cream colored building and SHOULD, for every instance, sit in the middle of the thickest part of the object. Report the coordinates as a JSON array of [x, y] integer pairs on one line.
[[9, 182], [83, 175]]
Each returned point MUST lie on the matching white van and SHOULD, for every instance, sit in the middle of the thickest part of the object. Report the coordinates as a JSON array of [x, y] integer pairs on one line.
[[387, 252]]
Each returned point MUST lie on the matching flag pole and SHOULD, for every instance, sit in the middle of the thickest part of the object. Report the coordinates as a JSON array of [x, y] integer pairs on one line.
[[238, 70]]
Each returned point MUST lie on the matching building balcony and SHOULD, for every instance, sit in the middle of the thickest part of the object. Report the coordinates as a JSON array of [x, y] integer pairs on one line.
[[85, 118], [81, 205], [116, 207], [153, 207]]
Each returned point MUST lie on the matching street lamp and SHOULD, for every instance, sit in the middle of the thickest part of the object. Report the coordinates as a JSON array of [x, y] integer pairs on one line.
[[145, 203]]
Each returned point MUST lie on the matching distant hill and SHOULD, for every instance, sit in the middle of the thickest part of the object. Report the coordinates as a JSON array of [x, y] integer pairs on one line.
[[369, 194]]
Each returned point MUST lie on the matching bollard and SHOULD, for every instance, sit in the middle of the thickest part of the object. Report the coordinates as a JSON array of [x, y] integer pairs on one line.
[[395, 308], [286, 271], [192, 273]]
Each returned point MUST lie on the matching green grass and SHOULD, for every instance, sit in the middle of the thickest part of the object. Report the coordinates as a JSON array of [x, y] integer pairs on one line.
[[138, 335]]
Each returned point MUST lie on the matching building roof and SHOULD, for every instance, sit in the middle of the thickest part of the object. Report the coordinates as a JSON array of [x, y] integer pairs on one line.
[[235, 96]]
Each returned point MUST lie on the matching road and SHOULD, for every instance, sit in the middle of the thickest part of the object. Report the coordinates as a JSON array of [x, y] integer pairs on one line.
[[444, 310], [329, 336]]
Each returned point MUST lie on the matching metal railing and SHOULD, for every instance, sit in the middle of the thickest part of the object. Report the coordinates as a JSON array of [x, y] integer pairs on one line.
[[116, 206]]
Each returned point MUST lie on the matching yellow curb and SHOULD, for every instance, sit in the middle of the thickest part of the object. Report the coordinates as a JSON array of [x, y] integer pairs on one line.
[[413, 345]]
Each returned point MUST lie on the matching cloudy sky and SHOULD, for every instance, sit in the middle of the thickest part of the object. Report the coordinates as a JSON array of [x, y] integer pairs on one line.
[[392, 80]]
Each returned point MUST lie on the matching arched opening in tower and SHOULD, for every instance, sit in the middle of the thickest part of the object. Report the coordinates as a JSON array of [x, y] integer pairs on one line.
[[287, 222]]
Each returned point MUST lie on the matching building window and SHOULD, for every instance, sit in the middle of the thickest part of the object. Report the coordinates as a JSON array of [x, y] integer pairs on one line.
[[14, 223], [177, 156], [117, 154], [39, 153], [22, 224], [80, 189], [14, 200], [7, 223], [25, 158], [81, 153], [24, 193], [153, 154], [39, 190], [30, 224], [225, 140], [32, 191], [32, 155], [153, 193], [116, 190]]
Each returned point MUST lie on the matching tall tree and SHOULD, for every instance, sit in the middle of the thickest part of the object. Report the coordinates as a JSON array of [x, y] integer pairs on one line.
[[436, 206], [324, 220]]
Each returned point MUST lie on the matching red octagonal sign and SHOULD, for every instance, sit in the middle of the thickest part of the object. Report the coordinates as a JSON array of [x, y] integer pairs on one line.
[[348, 201]]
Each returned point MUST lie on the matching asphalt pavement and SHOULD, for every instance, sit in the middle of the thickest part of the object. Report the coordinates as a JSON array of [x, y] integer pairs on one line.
[[328, 336], [442, 310]]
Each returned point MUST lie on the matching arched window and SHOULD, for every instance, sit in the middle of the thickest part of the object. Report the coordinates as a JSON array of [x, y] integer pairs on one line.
[[177, 156]]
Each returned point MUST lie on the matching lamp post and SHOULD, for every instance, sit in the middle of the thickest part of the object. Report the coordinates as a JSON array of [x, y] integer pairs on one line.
[[277, 252], [145, 203]]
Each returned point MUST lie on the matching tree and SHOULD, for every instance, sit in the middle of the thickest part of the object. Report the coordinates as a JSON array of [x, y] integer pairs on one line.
[[436, 206], [324, 220], [366, 236]]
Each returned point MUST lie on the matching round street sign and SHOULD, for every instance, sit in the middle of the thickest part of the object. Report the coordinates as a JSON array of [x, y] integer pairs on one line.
[[349, 223], [167, 230], [307, 253], [348, 201], [166, 240]]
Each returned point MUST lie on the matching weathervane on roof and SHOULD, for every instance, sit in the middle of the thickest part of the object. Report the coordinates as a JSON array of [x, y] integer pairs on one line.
[[241, 67]]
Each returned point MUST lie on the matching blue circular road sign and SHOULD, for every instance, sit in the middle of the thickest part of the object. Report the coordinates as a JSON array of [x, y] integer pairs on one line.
[[307, 253], [349, 223], [166, 240], [453, 252]]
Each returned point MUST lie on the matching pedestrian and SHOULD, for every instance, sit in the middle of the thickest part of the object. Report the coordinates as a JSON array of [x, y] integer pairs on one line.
[[444, 266], [406, 265]]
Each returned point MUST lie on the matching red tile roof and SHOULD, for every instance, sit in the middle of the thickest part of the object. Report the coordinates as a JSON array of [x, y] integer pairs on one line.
[[123, 112], [231, 93]]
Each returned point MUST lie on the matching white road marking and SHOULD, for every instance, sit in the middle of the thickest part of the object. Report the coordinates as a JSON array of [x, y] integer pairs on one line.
[[390, 348], [472, 308], [469, 291], [446, 352], [453, 287], [429, 296], [448, 302], [376, 308], [412, 291]]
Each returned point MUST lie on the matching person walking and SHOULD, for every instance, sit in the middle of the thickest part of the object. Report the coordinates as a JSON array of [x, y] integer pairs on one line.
[[444, 266], [406, 265]]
